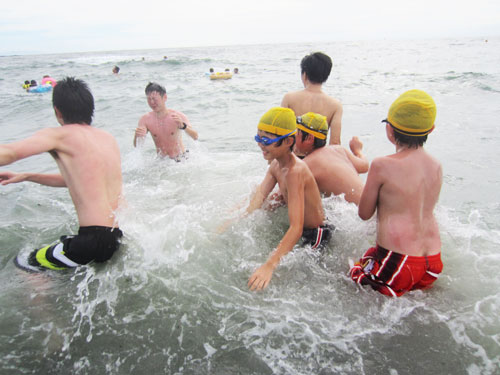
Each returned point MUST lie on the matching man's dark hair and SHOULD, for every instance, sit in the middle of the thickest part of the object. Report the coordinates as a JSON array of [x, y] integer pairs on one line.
[[318, 143], [74, 100], [152, 87], [409, 140], [317, 67]]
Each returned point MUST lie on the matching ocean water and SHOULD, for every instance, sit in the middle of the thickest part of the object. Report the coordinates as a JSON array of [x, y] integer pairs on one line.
[[174, 299]]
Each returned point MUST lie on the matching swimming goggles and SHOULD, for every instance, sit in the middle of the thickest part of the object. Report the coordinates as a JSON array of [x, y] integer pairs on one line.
[[268, 141], [306, 128]]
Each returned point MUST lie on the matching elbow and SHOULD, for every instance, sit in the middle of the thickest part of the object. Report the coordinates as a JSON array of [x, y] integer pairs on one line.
[[364, 215], [7, 156], [364, 167]]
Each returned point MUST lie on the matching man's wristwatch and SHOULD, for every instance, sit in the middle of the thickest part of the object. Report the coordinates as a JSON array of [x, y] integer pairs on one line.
[[185, 126]]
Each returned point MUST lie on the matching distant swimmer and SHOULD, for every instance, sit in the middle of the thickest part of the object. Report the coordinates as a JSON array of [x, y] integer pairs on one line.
[[315, 69], [88, 159], [276, 138], [26, 85], [236, 70], [403, 189], [165, 125], [335, 168], [116, 69]]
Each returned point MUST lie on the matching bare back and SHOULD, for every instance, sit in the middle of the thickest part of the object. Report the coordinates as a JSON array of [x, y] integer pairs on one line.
[[410, 183], [89, 161], [335, 173], [317, 101]]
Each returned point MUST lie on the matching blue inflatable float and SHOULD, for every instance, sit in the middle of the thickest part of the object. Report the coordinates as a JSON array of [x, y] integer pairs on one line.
[[40, 88]]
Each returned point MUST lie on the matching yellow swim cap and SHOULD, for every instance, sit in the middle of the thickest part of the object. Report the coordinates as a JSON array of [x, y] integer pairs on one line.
[[413, 113], [279, 121], [313, 123]]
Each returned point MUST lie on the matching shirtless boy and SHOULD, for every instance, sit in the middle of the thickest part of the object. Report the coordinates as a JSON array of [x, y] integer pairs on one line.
[[335, 168], [164, 124], [403, 188], [315, 69], [276, 137], [90, 167]]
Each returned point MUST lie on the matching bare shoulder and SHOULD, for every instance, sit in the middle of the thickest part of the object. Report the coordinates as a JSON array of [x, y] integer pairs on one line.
[[290, 98], [333, 102], [300, 170], [146, 118], [380, 164]]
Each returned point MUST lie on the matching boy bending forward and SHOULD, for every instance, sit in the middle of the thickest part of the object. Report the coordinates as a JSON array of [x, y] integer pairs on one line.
[[276, 138], [403, 188]]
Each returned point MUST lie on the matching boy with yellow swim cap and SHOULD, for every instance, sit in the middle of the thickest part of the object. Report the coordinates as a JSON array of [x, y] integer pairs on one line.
[[403, 188], [276, 138], [335, 168]]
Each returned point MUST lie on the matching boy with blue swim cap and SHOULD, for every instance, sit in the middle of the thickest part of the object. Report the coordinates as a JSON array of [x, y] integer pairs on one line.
[[403, 188], [276, 138]]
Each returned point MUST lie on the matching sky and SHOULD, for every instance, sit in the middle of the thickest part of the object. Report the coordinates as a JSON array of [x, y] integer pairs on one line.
[[58, 26]]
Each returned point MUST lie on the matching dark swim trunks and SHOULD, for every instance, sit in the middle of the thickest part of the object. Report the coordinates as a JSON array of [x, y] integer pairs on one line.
[[93, 243], [317, 237], [393, 274], [182, 156]]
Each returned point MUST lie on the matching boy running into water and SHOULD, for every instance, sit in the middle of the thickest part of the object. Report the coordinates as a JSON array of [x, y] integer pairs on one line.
[[335, 169], [164, 124], [403, 188], [90, 167], [276, 138], [315, 69]]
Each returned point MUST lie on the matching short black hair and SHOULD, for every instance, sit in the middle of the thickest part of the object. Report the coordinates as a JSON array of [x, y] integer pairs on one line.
[[318, 143], [317, 67], [153, 86], [409, 140], [72, 97]]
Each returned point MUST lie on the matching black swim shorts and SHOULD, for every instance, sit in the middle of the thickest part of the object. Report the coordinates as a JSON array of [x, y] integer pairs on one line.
[[93, 243], [318, 237]]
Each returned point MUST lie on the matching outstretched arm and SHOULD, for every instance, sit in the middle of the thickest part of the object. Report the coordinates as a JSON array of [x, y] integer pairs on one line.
[[262, 276], [54, 180], [357, 158], [42, 141]]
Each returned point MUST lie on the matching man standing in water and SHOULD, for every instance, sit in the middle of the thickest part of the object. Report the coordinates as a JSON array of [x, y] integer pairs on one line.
[[90, 167], [164, 124], [315, 69], [335, 169], [403, 188]]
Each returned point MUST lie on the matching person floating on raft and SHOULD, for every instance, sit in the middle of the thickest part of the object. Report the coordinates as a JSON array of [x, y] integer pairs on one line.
[[33, 87], [221, 75]]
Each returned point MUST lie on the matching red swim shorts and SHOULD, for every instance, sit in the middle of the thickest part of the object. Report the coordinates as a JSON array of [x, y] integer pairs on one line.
[[393, 274]]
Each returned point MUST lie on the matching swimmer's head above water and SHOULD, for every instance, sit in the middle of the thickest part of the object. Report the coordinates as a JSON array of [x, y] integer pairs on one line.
[[412, 117], [278, 121]]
